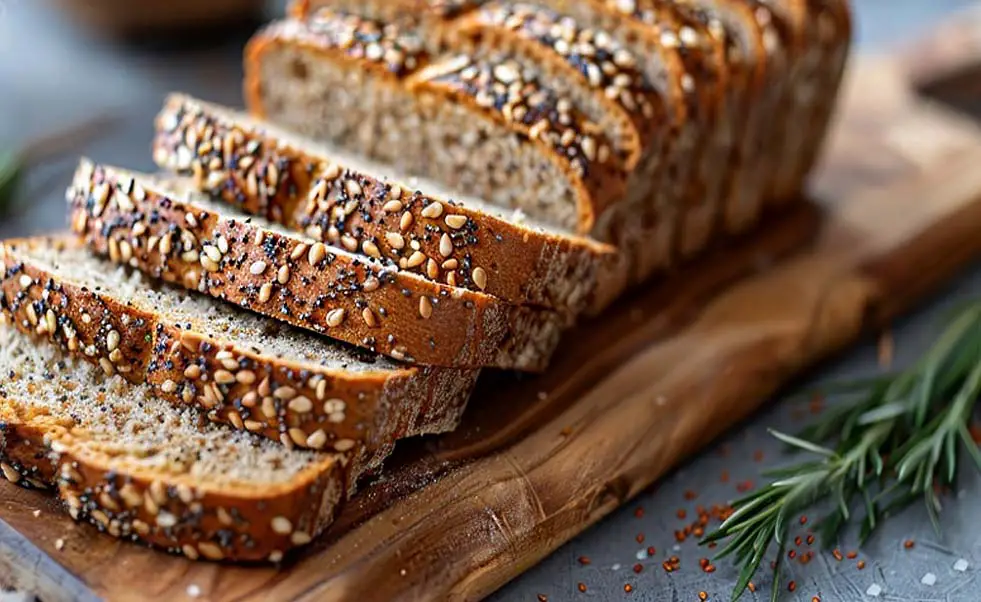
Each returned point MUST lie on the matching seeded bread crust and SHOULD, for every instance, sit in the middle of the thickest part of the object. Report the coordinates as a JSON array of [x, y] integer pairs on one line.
[[202, 524], [318, 194], [168, 509], [305, 283], [574, 144], [297, 402]]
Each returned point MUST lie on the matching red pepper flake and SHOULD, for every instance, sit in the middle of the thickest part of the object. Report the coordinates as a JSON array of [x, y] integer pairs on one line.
[[674, 560], [752, 587], [792, 586], [908, 544], [628, 588], [709, 569], [680, 536], [703, 596], [584, 560], [817, 403], [639, 512], [582, 587], [704, 562], [640, 538], [797, 541], [851, 555], [698, 532], [638, 568], [806, 557], [667, 566], [744, 486], [724, 477], [651, 551], [713, 545], [815, 599], [681, 513], [566, 431], [542, 598], [810, 540], [861, 564], [975, 430], [690, 495], [758, 455], [837, 554], [803, 520], [792, 554]]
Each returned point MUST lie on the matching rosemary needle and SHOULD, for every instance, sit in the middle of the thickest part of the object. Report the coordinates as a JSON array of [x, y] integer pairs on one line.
[[902, 435]]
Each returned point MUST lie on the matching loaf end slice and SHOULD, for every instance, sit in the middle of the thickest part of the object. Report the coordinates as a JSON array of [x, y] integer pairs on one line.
[[138, 468]]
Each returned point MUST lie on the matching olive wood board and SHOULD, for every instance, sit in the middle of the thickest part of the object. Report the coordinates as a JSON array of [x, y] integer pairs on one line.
[[629, 396]]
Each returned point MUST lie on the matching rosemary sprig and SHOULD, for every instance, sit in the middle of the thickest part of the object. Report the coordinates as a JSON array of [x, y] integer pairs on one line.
[[900, 437]]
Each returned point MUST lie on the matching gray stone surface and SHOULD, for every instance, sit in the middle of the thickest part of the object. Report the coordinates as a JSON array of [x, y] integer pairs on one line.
[[52, 75]]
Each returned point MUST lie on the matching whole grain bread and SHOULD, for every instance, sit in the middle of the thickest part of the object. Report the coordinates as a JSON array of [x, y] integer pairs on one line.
[[139, 468], [239, 368], [348, 201], [163, 227]]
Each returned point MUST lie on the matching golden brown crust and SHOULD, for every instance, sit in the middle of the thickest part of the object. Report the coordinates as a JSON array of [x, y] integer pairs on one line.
[[306, 284], [565, 137], [174, 512], [302, 404], [331, 202]]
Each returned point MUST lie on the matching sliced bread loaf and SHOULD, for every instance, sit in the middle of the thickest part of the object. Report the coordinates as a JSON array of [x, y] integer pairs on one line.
[[166, 229], [241, 369], [348, 201], [143, 469], [492, 128]]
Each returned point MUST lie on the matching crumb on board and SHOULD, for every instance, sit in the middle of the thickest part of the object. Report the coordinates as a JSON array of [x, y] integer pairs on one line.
[[59, 544], [194, 590], [961, 565]]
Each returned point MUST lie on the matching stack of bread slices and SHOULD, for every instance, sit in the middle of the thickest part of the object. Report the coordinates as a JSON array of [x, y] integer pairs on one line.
[[216, 353]]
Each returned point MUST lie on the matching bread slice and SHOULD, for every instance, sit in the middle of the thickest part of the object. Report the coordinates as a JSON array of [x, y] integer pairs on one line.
[[489, 127], [237, 367], [348, 201], [142, 469], [166, 229]]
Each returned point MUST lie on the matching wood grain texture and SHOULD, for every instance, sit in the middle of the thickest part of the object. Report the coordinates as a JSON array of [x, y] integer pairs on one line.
[[629, 396]]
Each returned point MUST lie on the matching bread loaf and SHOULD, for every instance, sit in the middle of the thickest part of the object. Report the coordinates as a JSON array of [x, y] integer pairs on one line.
[[348, 201], [139, 468], [238, 368], [163, 229]]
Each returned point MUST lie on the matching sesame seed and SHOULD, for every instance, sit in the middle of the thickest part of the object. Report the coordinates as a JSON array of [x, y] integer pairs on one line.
[[298, 251], [445, 245], [193, 372], [284, 393], [224, 377], [166, 520], [392, 206], [352, 188], [479, 277], [300, 538], [416, 259], [394, 240], [405, 222], [335, 317], [317, 440], [301, 405], [369, 317], [209, 264], [433, 210], [298, 436], [275, 556], [192, 221], [332, 406], [257, 268], [168, 386], [282, 525], [432, 269], [343, 445], [190, 551], [112, 340], [318, 252], [283, 275], [25, 281], [210, 550], [265, 292], [245, 377], [455, 221], [425, 307], [107, 366]]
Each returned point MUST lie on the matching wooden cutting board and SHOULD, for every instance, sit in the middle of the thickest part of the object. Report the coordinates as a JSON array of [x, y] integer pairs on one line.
[[629, 396]]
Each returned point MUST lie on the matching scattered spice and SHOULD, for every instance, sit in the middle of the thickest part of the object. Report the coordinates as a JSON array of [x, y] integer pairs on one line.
[[752, 587], [582, 587], [803, 520], [758, 455], [584, 560], [710, 568], [639, 512], [851, 555], [744, 486], [640, 538], [792, 586], [815, 599], [651, 550], [724, 477], [810, 540], [566, 431], [908, 544], [792, 554], [59, 544], [690, 495], [837, 554], [682, 514], [797, 541], [860, 565], [628, 588], [703, 596], [542, 598]]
